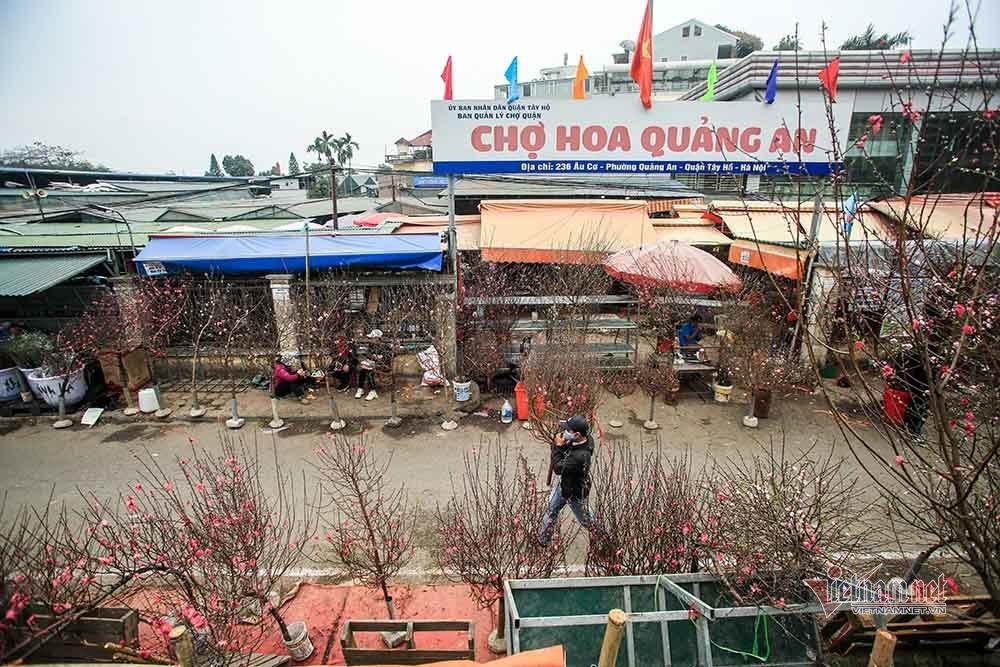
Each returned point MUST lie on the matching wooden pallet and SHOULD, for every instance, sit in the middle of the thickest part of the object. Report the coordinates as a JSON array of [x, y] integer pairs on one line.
[[969, 619]]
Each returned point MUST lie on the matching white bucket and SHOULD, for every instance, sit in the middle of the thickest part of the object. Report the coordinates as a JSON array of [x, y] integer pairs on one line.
[[722, 392], [149, 401], [47, 388], [10, 384], [300, 647], [463, 391]]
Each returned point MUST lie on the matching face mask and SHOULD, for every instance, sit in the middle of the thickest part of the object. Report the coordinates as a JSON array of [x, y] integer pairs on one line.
[[569, 436]]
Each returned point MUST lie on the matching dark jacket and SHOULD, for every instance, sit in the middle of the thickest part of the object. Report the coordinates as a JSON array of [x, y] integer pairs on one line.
[[348, 356], [572, 464]]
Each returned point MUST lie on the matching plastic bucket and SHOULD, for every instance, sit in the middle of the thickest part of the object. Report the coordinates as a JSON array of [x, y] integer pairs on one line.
[[10, 384], [722, 392], [521, 400], [300, 647], [149, 400], [894, 402], [463, 391], [47, 388]]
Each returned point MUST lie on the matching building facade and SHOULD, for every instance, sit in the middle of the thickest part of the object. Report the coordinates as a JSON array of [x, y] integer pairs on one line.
[[929, 105], [682, 55]]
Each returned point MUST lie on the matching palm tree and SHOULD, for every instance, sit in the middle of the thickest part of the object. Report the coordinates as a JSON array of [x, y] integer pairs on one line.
[[324, 146], [345, 149], [869, 41]]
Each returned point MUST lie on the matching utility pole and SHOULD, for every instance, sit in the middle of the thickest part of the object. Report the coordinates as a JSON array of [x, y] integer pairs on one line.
[[333, 193]]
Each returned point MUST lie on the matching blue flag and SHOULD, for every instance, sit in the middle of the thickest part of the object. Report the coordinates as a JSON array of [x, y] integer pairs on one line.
[[850, 209], [772, 84], [511, 76]]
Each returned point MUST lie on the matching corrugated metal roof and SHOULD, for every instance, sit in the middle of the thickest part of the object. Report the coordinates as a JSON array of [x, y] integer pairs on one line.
[[635, 186], [21, 276], [96, 235]]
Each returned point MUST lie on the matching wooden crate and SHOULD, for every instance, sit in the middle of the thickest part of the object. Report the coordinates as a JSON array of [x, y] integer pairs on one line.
[[83, 640], [409, 655]]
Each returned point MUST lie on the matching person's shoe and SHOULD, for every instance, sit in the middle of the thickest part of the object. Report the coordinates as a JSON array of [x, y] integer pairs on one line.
[[359, 393], [343, 390], [372, 395]]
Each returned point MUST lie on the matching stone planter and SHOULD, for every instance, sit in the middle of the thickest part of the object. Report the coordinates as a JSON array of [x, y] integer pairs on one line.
[[47, 387]]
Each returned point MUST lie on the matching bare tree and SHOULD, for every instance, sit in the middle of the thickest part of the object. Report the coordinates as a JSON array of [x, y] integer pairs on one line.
[[648, 507], [214, 537], [914, 300], [373, 534], [776, 519], [488, 527]]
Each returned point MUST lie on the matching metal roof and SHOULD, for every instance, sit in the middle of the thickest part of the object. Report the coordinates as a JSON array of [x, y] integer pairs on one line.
[[858, 69], [634, 186], [24, 275], [98, 235]]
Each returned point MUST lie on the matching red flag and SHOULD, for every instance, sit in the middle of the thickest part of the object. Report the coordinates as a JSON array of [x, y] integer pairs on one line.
[[446, 77], [642, 59], [828, 76]]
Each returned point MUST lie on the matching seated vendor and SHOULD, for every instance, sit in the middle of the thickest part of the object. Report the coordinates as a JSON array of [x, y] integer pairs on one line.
[[285, 381], [343, 362], [689, 335]]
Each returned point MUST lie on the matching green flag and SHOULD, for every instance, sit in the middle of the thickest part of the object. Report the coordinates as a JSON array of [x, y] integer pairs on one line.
[[713, 75]]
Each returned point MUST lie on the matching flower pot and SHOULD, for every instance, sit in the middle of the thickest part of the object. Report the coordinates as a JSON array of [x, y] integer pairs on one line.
[[762, 403], [300, 647], [463, 391], [10, 384], [722, 392], [47, 387]]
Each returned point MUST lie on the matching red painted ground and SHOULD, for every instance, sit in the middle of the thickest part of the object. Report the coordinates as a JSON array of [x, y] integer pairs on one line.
[[323, 607]]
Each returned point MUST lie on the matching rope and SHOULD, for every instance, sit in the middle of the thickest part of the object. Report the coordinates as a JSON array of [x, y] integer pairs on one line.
[[754, 650]]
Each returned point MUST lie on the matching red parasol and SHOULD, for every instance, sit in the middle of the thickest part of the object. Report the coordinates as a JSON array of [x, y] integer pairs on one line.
[[672, 263]]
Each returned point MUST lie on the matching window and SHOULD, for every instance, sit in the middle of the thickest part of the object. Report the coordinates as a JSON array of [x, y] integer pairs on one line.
[[725, 51], [684, 57], [697, 31], [663, 60], [525, 90], [686, 31], [879, 167]]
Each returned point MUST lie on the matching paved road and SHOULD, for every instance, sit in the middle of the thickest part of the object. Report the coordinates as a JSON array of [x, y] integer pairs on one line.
[[36, 461]]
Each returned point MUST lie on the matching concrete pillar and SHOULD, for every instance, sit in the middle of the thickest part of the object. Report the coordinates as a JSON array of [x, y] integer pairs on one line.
[[284, 312], [444, 321], [821, 299], [124, 288]]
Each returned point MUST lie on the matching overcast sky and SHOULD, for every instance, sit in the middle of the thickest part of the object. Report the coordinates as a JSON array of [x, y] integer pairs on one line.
[[158, 86]]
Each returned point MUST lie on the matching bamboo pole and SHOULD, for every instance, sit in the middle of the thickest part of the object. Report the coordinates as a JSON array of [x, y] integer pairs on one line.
[[612, 638], [885, 645]]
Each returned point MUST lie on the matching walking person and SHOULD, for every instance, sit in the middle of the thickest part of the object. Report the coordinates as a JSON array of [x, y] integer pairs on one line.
[[571, 454]]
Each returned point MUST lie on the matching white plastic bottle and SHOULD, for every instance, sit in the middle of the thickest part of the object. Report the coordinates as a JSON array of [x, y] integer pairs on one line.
[[506, 412]]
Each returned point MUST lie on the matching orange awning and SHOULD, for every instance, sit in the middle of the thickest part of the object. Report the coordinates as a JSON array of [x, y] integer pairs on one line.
[[564, 231], [775, 259]]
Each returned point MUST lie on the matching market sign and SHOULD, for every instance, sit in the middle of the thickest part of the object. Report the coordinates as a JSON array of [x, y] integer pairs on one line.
[[615, 134]]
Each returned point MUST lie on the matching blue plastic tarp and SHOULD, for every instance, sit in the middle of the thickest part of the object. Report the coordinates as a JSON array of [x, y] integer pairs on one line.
[[286, 253]]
